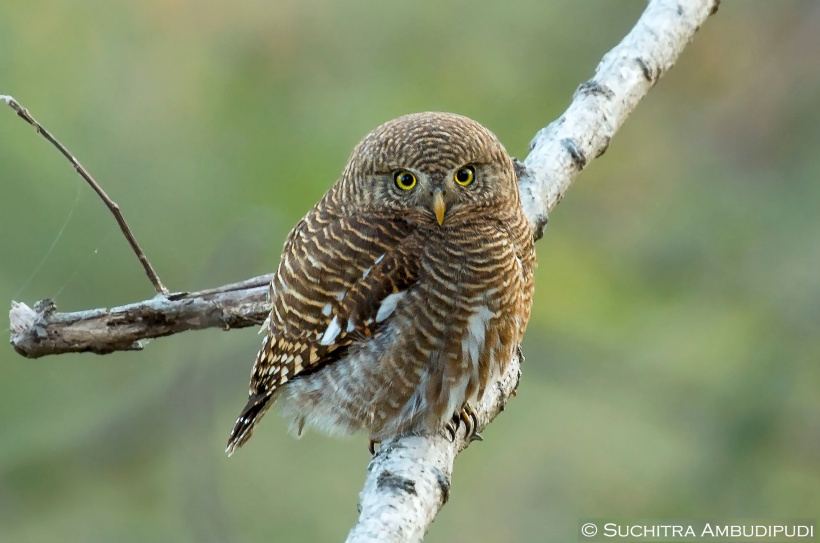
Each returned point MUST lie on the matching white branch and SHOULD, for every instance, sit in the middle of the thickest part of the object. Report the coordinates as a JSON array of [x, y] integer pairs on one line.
[[600, 106], [408, 481]]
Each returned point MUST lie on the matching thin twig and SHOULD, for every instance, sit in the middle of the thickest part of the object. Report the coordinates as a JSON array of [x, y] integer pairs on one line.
[[112, 206]]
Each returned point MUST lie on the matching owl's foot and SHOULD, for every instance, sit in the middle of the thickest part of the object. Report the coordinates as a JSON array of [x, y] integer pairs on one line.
[[371, 446], [467, 416]]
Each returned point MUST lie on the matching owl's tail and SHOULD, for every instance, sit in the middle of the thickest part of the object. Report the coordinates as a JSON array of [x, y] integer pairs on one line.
[[250, 415]]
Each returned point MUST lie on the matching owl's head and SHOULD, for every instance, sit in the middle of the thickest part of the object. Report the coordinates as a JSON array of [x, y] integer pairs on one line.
[[437, 169]]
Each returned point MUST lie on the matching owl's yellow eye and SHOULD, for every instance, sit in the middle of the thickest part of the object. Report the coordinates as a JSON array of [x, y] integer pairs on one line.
[[464, 176], [405, 180]]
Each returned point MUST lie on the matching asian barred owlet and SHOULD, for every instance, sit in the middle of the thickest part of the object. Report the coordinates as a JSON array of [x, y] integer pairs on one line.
[[404, 292]]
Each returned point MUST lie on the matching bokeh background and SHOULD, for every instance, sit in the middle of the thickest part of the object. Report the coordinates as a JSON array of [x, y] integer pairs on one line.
[[673, 357]]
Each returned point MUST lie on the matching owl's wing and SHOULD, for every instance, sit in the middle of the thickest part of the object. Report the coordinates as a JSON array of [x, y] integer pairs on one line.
[[339, 280]]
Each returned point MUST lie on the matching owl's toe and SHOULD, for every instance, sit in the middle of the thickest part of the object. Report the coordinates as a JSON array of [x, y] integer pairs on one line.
[[470, 418], [451, 428]]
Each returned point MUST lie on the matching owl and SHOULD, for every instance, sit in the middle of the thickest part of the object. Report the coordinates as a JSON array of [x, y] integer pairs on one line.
[[404, 292]]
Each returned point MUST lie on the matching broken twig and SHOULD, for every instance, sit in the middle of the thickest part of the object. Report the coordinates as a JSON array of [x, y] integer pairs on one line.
[[112, 206]]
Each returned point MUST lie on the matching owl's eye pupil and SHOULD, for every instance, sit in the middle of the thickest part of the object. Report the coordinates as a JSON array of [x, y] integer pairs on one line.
[[465, 176], [405, 180]]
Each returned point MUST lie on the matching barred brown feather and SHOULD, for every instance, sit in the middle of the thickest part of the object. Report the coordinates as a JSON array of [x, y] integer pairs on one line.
[[384, 319]]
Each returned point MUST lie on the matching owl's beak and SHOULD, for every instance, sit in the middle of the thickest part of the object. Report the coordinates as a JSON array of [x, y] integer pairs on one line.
[[439, 207]]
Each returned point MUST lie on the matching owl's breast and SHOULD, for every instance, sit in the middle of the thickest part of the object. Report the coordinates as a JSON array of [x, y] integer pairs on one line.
[[461, 322], [477, 267]]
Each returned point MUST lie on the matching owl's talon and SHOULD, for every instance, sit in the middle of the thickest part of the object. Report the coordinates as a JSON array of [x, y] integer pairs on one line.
[[476, 437], [371, 446], [470, 418], [452, 428]]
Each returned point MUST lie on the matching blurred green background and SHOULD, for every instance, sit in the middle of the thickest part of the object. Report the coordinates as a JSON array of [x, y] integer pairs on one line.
[[672, 357]]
